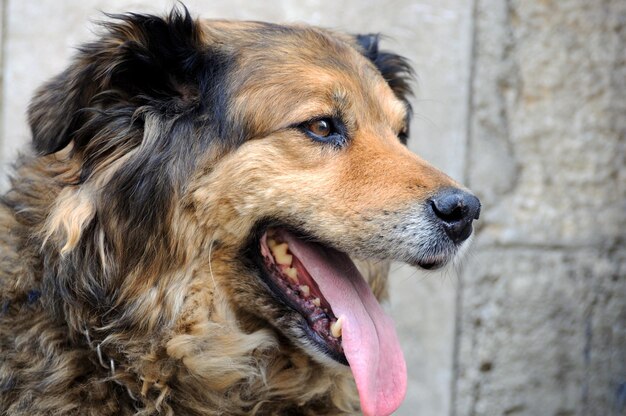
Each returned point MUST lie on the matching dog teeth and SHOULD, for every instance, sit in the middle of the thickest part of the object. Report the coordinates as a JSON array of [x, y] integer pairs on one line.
[[317, 302], [306, 291], [335, 327], [280, 254], [291, 273], [271, 243]]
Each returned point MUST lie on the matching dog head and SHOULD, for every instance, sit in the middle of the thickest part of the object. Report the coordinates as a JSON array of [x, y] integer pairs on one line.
[[230, 171]]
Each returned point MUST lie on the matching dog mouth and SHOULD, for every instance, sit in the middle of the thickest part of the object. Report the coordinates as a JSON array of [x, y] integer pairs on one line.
[[342, 317], [295, 286]]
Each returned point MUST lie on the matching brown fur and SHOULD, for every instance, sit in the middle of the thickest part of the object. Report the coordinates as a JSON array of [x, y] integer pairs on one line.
[[122, 300]]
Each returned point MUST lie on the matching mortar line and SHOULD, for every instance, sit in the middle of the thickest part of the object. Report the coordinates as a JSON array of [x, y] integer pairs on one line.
[[466, 178], [606, 248]]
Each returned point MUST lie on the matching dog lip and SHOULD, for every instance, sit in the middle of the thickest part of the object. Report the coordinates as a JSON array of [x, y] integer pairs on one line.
[[319, 342], [313, 336]]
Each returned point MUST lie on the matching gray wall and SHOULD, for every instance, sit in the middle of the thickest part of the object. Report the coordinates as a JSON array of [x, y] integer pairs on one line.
[[523, 101], [542, 306]]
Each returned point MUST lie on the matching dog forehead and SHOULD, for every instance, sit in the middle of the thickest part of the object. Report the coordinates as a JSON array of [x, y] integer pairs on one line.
[[303, 72], [263, 48], [254, 34]]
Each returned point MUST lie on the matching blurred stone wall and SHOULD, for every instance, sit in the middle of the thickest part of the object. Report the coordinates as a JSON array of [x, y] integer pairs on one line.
[[542, 306], [523, 101]]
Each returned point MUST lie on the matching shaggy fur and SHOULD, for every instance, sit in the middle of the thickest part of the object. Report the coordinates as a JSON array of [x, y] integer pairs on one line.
[[126, 282]]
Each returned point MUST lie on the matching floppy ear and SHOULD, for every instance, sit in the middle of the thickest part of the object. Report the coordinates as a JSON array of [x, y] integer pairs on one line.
[[52, 113], [140, 57], [394, 68]]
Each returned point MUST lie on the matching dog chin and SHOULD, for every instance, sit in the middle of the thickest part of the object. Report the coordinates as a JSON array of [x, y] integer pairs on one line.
[[450, 257]]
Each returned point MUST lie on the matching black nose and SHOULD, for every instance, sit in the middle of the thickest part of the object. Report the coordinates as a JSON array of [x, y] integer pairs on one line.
[[456, 209]]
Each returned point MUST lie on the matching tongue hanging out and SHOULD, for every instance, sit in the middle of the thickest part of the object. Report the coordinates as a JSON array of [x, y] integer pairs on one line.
[[368, 337]]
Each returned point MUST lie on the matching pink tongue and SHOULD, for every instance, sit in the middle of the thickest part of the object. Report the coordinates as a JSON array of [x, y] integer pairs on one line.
[[369, 337]]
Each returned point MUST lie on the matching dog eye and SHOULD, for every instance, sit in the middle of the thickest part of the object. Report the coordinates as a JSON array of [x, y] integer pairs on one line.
[[322, 127], [326, 130]]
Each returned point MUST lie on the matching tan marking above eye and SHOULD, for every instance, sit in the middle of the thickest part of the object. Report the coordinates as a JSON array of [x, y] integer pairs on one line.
[[322, 127]]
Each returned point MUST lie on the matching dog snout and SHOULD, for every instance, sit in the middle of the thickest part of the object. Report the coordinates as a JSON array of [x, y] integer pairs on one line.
[[456, 209]]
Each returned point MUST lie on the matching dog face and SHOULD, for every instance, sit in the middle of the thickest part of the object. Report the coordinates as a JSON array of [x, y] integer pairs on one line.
[[218, 165]]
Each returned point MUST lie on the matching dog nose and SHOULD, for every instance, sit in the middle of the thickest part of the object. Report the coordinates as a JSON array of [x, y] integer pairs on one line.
[[456, 209]]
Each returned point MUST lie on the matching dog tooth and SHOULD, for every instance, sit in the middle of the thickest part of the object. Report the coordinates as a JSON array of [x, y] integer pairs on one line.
[[306, 291], [280, 254], [335, 327], [291, 273], [271, 243], [317, 302]]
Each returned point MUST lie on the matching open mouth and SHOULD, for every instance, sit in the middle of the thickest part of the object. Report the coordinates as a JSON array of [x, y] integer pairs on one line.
[[341, 313], [296, 287]]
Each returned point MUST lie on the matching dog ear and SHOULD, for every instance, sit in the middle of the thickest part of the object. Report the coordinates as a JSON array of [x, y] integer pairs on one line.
[[52, 113], [140, 58], [394, 68]]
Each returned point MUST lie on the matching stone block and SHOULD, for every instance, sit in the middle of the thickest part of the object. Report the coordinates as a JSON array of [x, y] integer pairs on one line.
[[547, 152], [543, 332]]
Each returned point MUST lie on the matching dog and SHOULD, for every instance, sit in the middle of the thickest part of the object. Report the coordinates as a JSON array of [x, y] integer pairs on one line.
[[205, 221]]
